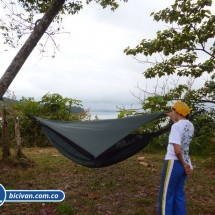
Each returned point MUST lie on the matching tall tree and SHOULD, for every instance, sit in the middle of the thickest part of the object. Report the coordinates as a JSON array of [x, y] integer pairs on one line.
[[29, 45], [52, 9], [185, 49]]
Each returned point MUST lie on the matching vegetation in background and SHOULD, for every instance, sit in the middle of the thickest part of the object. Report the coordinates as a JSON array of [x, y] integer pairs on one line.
[[51, 106]]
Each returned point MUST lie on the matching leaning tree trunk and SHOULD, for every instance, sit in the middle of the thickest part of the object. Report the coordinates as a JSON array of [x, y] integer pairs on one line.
[[5, 135], [28, 46], [18, 138]]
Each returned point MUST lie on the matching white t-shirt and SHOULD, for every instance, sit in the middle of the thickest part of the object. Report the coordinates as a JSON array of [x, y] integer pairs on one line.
[[182, 134]]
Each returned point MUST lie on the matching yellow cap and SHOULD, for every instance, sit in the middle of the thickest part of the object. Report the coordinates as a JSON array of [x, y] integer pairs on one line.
[[182, 108]]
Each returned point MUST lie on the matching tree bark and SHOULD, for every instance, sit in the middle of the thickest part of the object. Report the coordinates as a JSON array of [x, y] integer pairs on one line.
[[28, 46], [18, 138], [5, 135]]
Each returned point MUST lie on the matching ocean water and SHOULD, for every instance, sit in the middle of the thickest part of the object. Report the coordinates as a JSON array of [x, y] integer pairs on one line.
[[104, 114]]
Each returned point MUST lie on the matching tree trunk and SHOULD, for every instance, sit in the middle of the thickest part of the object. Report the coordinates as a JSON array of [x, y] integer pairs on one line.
[[28, 46], [35, 136], [5, 135], [18, 138]]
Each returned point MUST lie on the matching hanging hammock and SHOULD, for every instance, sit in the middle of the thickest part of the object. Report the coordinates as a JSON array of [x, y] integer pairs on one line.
[[98, 143]]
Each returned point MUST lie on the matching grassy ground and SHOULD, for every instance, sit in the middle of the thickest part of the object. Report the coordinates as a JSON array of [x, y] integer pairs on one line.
[[125, 188]]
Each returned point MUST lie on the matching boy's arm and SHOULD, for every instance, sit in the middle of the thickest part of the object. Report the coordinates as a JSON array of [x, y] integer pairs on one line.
[[178, 153]]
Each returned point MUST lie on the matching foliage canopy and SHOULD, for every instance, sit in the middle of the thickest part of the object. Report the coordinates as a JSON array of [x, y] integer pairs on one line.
[[192, 31]]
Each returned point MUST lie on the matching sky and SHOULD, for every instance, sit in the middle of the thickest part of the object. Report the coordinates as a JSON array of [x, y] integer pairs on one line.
[[91, 65]]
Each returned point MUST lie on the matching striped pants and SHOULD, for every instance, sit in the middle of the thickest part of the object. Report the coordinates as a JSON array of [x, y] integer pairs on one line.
[[172, 194]]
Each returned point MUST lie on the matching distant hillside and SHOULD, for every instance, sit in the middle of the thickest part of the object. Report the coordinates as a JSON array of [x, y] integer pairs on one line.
[[76, 109], [7, 100]]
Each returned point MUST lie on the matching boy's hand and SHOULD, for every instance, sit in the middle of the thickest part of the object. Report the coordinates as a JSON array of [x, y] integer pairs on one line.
[[169, 114], [187, 168]]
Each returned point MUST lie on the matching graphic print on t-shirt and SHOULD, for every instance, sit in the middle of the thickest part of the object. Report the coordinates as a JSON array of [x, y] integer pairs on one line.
[[185, 142]]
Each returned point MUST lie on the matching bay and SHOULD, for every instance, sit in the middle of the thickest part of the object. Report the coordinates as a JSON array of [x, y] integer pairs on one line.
[[104, 114]]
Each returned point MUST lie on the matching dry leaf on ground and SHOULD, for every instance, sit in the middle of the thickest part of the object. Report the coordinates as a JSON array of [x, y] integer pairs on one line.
[[140, 158], [93, 195], [145, 164]]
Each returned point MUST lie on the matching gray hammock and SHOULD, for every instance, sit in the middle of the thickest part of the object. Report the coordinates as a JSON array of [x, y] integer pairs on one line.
[[98, 143]]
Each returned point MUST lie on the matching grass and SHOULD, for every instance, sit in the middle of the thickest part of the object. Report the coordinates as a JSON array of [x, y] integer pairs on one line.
[[126, 188]]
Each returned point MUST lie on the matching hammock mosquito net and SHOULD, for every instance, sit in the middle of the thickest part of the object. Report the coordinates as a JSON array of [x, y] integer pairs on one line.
[[98, 143]]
